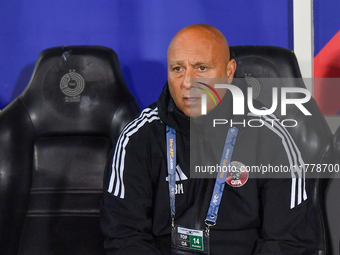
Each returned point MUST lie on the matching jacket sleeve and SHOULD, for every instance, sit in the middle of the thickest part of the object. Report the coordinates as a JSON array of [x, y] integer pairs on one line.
[[126, 209], [287, 213]]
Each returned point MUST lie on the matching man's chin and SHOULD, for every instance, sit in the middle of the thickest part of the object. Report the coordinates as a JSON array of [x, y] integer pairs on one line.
[[195, 113]]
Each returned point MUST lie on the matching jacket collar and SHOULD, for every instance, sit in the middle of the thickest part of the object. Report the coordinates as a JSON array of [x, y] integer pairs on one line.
[[170, 114]]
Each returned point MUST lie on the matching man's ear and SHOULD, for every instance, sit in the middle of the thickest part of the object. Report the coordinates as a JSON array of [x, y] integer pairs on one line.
[[231, 68]]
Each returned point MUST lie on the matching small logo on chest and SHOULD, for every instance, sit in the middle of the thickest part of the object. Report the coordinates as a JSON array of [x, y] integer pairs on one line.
[[237, 175]]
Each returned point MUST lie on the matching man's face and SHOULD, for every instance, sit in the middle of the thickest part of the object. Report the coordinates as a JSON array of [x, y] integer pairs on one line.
[[195, 55]]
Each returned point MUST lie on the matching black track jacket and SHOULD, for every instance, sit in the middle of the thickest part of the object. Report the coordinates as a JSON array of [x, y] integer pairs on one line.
[[264, 216]]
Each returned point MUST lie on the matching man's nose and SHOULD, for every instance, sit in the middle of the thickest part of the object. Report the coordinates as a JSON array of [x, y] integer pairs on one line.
[[188, 74]]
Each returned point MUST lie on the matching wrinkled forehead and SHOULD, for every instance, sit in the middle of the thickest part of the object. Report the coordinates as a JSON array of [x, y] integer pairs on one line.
[[197, 51]]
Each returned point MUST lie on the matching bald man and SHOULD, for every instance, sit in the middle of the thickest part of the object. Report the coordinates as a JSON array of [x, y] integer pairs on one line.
[[152, 206], [197, 51]]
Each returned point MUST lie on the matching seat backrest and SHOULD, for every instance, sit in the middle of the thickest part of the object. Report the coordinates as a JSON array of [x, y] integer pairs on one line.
[[55, 140], [333, 199], [266, 67], [336, 144]]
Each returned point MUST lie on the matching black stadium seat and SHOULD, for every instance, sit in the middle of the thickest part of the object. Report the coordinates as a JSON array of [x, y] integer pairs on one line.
[[333, 200], [55, 139], [265, 67]]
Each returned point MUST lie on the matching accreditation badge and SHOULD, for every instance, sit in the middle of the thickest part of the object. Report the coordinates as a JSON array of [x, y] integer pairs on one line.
[[189, 241]]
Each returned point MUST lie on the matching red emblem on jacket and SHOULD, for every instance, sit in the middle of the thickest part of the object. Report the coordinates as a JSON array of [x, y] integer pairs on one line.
[[237, 175]]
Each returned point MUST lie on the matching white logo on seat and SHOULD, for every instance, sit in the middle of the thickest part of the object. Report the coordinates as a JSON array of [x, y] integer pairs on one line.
[[72, 84]]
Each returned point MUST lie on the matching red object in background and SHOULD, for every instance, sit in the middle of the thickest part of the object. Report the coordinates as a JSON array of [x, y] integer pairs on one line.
[[327, 65]]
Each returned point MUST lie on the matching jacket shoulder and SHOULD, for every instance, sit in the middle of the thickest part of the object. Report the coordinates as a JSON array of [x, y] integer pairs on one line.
[[142, 123]]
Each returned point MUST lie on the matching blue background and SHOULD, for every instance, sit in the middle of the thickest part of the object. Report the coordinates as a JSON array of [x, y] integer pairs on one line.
[[326, 22], [139, 31]]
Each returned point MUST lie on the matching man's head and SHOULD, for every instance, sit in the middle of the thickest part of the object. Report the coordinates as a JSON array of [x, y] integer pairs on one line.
[[197, 51]]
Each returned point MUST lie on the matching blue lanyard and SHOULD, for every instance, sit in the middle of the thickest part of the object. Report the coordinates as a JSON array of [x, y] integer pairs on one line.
[[171, 156], [220, 179]]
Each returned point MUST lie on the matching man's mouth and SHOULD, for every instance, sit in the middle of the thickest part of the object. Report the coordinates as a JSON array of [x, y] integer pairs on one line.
[[191, 100]]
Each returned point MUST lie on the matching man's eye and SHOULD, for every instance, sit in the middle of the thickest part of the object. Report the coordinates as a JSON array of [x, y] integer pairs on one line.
[[202, 68], [177, 69]]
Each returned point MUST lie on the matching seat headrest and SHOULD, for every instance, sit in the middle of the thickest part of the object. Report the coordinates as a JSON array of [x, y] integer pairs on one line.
[[265, 68], [265, 62], [75, 89]]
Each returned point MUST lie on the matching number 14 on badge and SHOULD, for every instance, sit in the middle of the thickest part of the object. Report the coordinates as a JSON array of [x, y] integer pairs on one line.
[[196, 242], [190, 238]]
